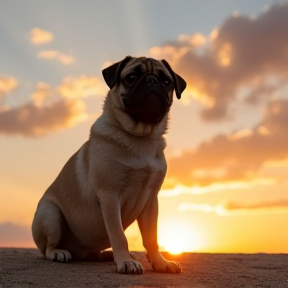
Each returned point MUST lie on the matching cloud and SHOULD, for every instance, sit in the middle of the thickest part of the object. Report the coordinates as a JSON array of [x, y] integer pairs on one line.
[[42, 92], [244, 53], [50, 108], [7, 84], [83, 86], [215, 187], [231, 208], [40, 36], [56, 55], [235, 157], [278, 203], [207, 208], [13, 235], [34, 120], [71, 87]]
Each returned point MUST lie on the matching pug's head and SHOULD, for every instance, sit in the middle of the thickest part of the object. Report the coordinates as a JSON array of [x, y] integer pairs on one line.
[[145, 87]]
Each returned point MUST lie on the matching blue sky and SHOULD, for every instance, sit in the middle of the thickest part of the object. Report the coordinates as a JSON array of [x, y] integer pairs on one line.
[[99, 31]]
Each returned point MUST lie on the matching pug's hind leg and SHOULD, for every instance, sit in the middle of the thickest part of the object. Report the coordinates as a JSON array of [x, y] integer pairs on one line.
[[47, 232]]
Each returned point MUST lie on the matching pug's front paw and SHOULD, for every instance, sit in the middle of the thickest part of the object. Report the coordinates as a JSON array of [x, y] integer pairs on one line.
[[129, 267], [160, 264]]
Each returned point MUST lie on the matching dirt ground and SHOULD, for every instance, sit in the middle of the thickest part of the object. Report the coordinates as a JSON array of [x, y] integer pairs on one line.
[[26, 268]]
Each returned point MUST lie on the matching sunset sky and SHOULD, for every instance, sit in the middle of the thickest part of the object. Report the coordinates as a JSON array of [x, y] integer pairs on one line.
[[227, 184]]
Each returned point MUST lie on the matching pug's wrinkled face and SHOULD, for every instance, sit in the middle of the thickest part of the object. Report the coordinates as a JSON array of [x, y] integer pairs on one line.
[[146, 90], [145, 87]]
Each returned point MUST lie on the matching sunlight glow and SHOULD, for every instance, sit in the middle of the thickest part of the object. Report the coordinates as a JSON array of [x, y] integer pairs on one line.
[[177, 237]]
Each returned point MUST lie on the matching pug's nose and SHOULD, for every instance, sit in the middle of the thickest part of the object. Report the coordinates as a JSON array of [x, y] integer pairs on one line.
[[151, 80]]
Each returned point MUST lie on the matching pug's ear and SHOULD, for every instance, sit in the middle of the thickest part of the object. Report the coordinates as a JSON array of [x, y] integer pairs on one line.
[[112, 72], [179, 82]]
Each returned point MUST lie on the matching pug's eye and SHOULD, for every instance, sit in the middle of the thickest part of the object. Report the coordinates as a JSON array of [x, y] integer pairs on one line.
[[166, 81], [164, 78], [131, 78]]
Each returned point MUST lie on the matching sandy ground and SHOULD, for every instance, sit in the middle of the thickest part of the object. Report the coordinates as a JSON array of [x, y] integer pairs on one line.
[[26, 268]]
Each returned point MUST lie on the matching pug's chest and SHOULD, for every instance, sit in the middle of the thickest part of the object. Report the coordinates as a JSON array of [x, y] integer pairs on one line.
[[141, 184]]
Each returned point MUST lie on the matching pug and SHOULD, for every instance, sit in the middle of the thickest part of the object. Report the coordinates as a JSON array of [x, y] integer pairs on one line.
[[114, 178]]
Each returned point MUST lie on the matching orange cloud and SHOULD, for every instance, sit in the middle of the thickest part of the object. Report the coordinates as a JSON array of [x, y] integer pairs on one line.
[[42, 92], [215, 187], [243, 52], [50, 108], [7, 84], [40, 36], [236, 157], [239, 208], [273, 203], [83, 86], [196, 40], [56, 55], [34, 120]]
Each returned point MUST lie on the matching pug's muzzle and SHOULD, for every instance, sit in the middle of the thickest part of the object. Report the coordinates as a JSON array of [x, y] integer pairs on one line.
[[147, 99]]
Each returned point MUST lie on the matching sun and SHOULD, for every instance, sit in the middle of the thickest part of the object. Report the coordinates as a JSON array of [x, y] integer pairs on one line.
[[177, 237]]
